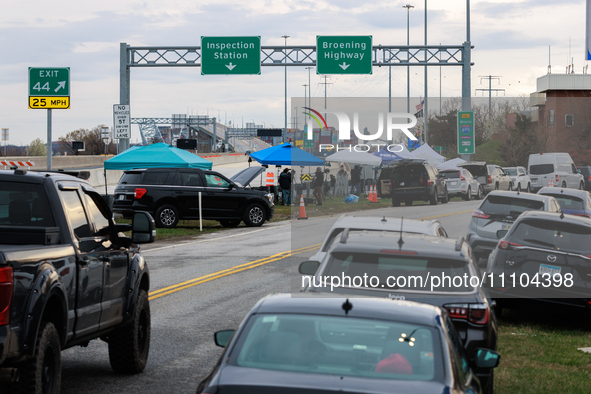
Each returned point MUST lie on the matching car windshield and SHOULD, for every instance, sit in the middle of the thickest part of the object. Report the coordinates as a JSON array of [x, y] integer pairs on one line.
[[541, 169], [395, 272], [554, 235], [509, 206], [450, 174], [511, 171], [24, 204], [568, 202], [340, 346]]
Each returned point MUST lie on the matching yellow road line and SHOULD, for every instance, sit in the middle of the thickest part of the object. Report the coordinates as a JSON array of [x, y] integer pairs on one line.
[[446, 214]]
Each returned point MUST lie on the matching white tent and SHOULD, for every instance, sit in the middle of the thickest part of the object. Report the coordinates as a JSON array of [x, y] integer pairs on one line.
[[354, 157], [453, 163], [426, 152]]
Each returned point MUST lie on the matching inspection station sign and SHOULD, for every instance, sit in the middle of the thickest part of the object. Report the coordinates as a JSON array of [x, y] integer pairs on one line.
[[466, 140], [230, 55], [49, 88], [343, 55]]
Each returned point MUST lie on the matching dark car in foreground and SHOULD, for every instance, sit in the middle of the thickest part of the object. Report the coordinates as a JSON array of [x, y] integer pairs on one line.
[[410, 267], [173, 194], [414, 179], [498, 211], [543, 260], [315, 344], [572, 201]]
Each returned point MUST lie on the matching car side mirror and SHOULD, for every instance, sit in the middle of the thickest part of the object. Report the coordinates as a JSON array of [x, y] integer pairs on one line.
[[501, 233], [222, 338], [309, 267], [486, 358], [143, 230]]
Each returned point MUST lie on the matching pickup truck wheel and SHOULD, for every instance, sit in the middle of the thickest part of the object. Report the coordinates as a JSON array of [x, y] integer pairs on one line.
[[129, 346], [167, 216], [254, 215], [42, 373]]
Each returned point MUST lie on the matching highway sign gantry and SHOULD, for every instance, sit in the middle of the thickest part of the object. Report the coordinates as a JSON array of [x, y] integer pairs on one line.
[[230, 55], [466, 140], [49, 87], [343, 55]]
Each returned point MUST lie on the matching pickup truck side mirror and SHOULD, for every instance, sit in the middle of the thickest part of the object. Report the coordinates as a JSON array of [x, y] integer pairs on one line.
[[143, 229]]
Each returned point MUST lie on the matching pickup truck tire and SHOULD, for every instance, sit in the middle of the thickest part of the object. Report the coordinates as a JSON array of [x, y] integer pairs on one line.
[[42, 374], [129, 346]]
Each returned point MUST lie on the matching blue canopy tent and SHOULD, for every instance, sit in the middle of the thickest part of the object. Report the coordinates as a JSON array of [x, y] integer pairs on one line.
[[156, 156], [286, 155], [388, 157]]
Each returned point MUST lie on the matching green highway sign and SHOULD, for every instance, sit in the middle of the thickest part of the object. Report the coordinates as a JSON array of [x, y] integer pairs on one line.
[[343, 55], [49, 87], [466, 139], [230, 55]]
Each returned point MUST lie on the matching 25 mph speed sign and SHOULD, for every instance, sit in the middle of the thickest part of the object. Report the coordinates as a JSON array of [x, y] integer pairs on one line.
[[121, 121]]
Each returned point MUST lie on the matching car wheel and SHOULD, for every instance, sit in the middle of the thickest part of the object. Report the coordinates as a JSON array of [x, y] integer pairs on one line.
[[255, 215], [433, 200], [519, 187], [581, 186], [408, 202], [563, 185], [468, 195], [43, 372], [445, 198], [510, 186], [395, 202], [167, 216], [230, 223], [129, 345], [480, 193], [496, 186]]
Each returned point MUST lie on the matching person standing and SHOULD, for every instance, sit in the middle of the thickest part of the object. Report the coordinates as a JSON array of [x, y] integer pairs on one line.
[[318, 184], [355, 179], [342, 182], [285, 183]]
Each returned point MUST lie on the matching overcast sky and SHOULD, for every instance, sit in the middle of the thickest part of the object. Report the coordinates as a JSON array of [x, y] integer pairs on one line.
[[510, 38]]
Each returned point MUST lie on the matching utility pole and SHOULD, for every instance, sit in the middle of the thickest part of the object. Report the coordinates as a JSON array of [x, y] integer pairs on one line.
[[426, 105], [490, 90], [285, 37], [309, 87], [325, 83], [408, 7]]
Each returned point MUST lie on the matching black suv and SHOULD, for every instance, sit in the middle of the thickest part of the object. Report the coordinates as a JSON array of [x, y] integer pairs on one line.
[[412, 179], [172, 194]]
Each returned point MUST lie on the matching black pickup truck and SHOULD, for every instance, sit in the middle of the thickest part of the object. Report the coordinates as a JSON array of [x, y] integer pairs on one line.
[[67, 275]]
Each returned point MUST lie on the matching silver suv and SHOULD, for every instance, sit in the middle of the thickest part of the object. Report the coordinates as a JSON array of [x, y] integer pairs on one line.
[[491, 176], [519, 178], [460, 182], [498, 211]]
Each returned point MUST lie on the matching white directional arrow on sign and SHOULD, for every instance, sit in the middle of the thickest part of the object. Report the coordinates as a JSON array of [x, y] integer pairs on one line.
[[60, 85], [230, 66], [344, 66], [466, 150]]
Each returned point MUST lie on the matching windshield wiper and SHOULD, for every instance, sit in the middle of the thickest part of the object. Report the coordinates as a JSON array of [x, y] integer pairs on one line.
[[536, 241]]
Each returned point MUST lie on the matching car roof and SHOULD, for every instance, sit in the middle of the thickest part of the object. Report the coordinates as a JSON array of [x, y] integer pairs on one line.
[[39, 176], [524, 196], [546, 190], [362, 307], [555, 217], [472, 163], [384, 223], [424, 245]]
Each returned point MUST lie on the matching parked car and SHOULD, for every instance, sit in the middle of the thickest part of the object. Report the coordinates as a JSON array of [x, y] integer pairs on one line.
[[460, 182], [572, 201], [172, 194], [586, 172], [549, 255], [556, 168], [377, 223], [519, 178], [414, 179], [498, 211], [327, 345], [387, 255], [68, 275], [490, 176]]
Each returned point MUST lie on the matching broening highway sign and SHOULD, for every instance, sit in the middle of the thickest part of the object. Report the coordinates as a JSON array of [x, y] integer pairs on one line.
[[49, 87], [343, 55], [230, 55]]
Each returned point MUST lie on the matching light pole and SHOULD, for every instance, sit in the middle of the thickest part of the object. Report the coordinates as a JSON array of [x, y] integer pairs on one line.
[[408, 7], [309, 85], [305, 95], [285, 37]]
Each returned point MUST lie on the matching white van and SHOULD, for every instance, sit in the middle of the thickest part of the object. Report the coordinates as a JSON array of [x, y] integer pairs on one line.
[[558, 169]]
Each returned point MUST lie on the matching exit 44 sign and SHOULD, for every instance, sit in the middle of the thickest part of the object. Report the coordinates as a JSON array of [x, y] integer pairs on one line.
[[49, 88]]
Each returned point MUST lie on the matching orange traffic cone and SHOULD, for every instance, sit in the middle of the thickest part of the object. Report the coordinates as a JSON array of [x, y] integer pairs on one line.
[[370, 194], [302, 208], [375, 194]]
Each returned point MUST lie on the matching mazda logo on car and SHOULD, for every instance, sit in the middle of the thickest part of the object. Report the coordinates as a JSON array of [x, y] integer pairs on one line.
[[551, 258]]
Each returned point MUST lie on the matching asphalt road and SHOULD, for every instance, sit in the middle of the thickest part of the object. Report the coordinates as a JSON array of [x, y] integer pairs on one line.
[[209, 283]]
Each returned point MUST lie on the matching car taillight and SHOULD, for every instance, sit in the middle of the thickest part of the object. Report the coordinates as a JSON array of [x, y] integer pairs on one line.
[[474, 313], [429, 183], [489, 179], [589, 177], [505, 245], [479, 214], [462, 177], [139, 193], [557, 178], [6, 285]]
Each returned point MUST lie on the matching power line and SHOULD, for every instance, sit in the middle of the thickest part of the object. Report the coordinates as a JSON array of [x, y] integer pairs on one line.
[[490, 90]]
